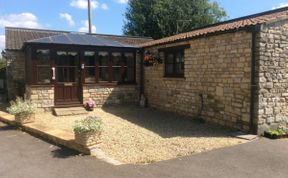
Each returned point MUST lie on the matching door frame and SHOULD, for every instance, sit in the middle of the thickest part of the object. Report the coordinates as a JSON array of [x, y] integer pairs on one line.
[[78, 84]]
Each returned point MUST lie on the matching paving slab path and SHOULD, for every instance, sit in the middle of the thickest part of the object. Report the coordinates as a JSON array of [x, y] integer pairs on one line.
[[22, 155]]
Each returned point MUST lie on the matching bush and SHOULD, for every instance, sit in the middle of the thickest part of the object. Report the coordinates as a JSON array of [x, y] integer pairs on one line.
[[277, 132], [20, 106], [89, 124]]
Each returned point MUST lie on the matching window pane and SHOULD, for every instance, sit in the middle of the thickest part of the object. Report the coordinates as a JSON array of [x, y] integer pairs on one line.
[[67, 58], [89, 58], [67, 74], [103, 58], [117, 75], [43, 56], [130, 60], [117, 59], [130, 75], [43, 75], [103, 74], [170, 59], [179, 68], [169, 68], [90, 73]]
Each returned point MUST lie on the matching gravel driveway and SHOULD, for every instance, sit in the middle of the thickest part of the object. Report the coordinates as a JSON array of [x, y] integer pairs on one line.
[[143, 135]]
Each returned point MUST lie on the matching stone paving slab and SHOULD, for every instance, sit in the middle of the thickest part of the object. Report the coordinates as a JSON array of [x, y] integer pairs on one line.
[[59, 137], [70, 111]]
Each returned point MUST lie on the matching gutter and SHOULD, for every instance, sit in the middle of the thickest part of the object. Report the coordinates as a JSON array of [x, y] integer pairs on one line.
[[253, 115]]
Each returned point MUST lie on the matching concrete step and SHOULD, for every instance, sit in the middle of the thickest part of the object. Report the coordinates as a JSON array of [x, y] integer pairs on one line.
[[70, 111]]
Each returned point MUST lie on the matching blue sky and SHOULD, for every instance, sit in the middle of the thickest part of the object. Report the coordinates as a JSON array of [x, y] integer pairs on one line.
[[108, 15]]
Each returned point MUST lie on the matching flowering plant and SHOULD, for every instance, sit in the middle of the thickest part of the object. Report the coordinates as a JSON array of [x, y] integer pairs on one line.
[[150, 59], [89, 104], [20, 106]]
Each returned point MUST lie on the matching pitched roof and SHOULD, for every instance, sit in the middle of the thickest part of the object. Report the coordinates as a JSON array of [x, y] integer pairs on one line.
[[16, 37], [234, 24], [79, 39]]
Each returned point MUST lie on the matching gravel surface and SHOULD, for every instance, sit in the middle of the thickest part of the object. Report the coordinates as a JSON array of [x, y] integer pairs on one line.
[[139, 136]]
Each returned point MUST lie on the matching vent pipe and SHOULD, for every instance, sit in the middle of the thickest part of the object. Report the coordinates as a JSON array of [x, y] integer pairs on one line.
[[89, 16]]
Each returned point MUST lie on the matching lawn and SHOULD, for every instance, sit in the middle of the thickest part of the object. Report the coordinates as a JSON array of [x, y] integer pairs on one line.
[[143, 135]]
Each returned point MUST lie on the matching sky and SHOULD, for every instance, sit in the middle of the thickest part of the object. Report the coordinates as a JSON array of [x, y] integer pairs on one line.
[[108, 15]]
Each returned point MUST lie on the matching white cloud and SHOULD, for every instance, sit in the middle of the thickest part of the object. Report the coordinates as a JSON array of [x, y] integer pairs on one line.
[[122, 1], [2, 43], [68, 18], [83, 4], [85, 27], [280, 5], [25, 19], [104, 6]]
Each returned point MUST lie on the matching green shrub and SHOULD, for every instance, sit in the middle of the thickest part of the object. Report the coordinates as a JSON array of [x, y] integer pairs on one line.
[[20, 106], [89, 124], [277, 132]]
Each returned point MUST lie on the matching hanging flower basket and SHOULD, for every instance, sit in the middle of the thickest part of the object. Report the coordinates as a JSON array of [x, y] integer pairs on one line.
[[150, 59]]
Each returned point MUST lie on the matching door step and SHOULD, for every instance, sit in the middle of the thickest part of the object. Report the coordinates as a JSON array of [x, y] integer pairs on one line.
[[70, 111]]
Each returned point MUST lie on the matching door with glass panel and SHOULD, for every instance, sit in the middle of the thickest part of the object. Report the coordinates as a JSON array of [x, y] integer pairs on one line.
[[67, 74]]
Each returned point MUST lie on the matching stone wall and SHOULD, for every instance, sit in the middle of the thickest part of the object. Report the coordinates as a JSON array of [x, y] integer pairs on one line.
[[103, 95], [272, 57], [15, 73], [42, 97], [216, 67]]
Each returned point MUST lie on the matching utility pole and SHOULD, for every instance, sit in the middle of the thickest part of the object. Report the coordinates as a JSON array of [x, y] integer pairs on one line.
[[89, 16]]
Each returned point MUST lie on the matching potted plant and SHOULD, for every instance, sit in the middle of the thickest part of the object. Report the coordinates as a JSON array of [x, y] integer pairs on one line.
[[150, 59], [89, 104], [88, 131], [24, 111]]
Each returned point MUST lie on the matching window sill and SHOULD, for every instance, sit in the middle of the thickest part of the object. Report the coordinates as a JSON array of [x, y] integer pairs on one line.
[[174, 78]]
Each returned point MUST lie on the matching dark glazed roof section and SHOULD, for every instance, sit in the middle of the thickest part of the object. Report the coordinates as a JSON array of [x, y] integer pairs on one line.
[[79, 39], [16, 37]]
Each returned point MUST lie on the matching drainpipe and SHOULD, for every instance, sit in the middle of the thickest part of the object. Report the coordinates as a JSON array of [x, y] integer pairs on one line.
[[141, 53], [253, 115]]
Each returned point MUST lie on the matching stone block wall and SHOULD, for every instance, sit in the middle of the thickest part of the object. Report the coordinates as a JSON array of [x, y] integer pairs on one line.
[[15, 73], [103, 95], [216, 67], [42, 97], [272, 57]]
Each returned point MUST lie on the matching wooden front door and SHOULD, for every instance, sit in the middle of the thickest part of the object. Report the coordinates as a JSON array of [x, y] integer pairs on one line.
[[68, 89]]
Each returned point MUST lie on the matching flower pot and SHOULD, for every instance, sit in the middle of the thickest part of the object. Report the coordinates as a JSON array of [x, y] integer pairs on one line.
[[88, 108], [25, 118], [88, 139], [148, 63]]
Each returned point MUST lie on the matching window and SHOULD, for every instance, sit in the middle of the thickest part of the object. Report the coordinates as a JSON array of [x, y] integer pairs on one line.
[[43, 67], [129, 74], [119, 67], [104, 63], [67, 66], [174, 63], [90, 67]]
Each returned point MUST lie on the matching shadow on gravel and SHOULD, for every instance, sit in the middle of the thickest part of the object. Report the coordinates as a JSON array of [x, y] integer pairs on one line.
[[167, 124]]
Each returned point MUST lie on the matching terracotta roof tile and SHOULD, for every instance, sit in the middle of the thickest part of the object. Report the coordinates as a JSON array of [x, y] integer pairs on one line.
[[238, 23]]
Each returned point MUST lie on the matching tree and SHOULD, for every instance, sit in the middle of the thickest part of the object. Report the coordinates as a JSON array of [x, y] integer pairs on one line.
[[161, 18]]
